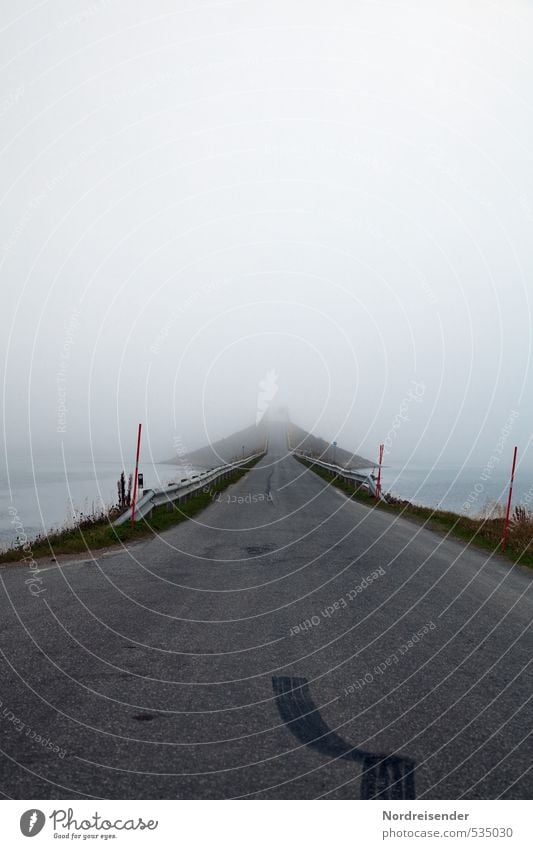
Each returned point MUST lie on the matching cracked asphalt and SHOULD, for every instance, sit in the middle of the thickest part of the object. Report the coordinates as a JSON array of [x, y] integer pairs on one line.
[[288, 643]]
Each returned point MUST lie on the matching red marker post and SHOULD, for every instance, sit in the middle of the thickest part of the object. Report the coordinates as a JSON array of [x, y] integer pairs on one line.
[[134, 501], [506, 526], [378, 486]]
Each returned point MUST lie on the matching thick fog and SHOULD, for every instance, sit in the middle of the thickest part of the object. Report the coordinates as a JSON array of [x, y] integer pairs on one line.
[[206, 206]]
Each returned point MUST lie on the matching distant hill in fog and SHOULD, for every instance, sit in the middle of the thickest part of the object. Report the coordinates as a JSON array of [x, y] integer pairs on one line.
[[250, 440], [320, 448], [253, 439]]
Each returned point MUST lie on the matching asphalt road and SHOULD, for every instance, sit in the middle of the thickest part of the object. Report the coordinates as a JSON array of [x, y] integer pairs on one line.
[[288, 643]]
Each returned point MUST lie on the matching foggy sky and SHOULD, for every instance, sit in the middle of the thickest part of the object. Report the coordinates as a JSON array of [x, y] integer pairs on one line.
[[197, 194]]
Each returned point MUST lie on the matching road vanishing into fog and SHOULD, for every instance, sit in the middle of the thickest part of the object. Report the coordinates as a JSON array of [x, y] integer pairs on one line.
[[286, 643]]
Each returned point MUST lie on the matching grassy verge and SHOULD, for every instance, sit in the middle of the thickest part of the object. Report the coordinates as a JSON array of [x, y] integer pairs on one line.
[[94, 534], [485, 533]]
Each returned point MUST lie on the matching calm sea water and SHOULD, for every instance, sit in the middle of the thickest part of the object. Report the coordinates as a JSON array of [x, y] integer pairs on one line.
[[51, 498], [48, 497], [465, 490]]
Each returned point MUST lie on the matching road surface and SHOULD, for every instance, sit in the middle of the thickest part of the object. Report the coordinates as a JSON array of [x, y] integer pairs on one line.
[[286, 643]]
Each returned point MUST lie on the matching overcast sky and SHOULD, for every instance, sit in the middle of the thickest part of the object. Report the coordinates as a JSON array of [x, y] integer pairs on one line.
[[197, 194]]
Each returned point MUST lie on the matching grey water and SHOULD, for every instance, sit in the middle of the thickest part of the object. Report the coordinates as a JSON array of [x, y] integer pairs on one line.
[[462, 489], [48, 496]]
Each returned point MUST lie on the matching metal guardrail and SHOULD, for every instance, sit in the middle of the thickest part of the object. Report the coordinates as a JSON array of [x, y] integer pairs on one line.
[[179, 491], [346, 474]]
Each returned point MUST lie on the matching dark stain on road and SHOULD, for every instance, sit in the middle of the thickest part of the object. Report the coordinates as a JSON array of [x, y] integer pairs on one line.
[[258, 550], [383, 776], [269, 487]]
